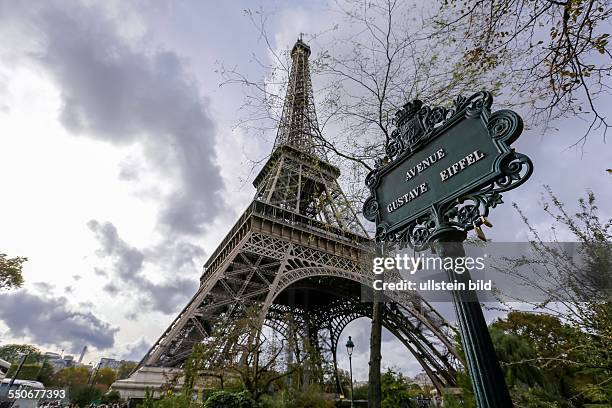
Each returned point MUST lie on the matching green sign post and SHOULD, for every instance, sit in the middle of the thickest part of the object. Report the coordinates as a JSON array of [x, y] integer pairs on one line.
[[444, 170]]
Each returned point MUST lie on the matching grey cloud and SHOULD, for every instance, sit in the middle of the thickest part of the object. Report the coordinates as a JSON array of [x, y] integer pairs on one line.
[[178, 254], [117, 93], [129, 263], [100, 272], [133, 316], [128, 260], [49, 320], [128, 172], [68, 290], [111, 289], [43, 286], [77, 277], [135, 351]]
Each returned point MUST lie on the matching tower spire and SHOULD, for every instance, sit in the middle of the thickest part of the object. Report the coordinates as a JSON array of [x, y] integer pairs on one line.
[[298, 126], [298, 177]]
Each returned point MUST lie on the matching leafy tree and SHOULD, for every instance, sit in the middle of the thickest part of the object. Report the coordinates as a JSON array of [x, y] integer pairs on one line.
[[148, 401], [72, 377], [82, 388], [546, 334], [396, 390], [35, 372], [27, 372], [35, 367], [249, 378], [537, 376], [14, 352], [105, 376], [125, 369], [11, 272]]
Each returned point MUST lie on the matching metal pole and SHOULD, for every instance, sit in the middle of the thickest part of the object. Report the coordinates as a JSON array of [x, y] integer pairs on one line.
[[487, 376], [351, 371], [41, 367], [25, 357], [92, 379], [18, 370]]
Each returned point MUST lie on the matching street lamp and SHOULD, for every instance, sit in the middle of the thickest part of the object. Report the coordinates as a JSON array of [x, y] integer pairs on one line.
[[349, 350]]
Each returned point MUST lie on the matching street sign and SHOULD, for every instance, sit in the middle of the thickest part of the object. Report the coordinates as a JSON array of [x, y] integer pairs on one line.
[[444, 169]]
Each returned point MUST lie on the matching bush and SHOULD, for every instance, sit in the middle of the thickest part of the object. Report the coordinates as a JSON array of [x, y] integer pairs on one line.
[[309, 398], [360, 393], [175, 401], [111, 397], [226, 399], [84, 395]]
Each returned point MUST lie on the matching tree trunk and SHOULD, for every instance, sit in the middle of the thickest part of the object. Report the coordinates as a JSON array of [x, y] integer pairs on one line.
[[374, 391]]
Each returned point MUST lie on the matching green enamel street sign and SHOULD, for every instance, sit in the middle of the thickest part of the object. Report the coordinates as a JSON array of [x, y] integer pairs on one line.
[[444, 169]]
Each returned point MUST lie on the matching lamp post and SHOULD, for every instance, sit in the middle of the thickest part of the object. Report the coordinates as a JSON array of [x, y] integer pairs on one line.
[[349, 350]]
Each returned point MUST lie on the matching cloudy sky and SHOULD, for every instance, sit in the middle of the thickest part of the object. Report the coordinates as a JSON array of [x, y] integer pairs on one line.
[[121, 169]]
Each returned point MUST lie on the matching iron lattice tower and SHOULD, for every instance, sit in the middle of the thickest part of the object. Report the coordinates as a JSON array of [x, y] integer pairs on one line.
[[299, 249]]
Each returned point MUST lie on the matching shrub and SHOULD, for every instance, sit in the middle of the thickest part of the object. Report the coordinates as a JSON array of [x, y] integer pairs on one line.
[[226, 399], [312, 397], [111, 397]]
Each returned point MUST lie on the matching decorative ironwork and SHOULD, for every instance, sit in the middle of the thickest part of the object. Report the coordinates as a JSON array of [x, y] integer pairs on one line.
[[462, 158], [300, 235], [418, 125]]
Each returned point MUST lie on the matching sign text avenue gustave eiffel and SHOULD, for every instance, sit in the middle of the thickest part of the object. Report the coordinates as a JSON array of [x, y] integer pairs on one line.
[[445, 168]]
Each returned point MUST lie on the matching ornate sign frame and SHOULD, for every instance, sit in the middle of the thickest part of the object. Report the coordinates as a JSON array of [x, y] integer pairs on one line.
[[467, 208]]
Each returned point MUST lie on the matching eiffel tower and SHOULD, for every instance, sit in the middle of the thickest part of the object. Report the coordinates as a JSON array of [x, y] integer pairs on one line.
[[300, 249]]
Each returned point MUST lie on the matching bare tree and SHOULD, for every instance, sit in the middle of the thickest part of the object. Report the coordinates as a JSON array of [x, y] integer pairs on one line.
[[243, 349], [365, 68], [554, 55], [575, 285]]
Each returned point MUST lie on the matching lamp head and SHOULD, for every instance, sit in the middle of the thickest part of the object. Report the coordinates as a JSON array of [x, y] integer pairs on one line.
[[350, 346]]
